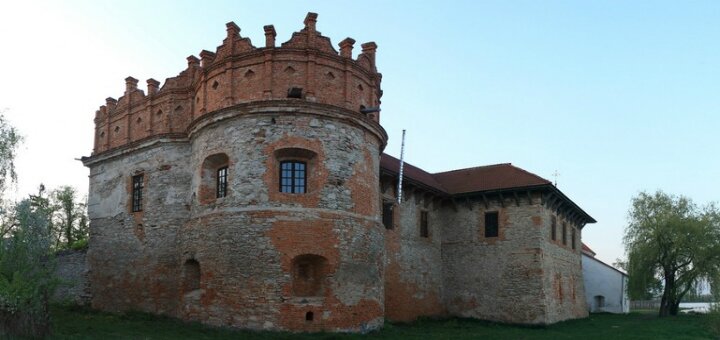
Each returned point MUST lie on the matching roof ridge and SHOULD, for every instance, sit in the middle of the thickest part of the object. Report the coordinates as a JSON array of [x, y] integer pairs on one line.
[[474, 167], [530, 173]]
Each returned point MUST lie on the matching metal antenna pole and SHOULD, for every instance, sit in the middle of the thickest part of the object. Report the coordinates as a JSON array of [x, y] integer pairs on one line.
[[400, 176]]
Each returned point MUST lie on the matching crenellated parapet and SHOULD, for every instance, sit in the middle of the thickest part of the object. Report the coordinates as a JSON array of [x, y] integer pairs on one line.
[[306, 67]]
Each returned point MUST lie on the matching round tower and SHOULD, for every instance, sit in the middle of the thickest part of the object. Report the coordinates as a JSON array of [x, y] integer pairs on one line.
[[261, 164]]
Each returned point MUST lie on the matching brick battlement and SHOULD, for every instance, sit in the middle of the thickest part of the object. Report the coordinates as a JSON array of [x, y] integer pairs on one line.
[[306, 67]]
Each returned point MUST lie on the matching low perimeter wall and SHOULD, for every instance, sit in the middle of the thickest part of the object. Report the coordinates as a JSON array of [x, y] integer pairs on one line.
[[72, 271]]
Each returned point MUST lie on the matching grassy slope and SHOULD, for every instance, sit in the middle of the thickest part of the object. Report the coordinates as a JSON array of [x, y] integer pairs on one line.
[[73, 323]]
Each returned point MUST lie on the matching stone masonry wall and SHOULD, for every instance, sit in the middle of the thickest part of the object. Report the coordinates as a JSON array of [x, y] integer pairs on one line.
[[562, 265], [133, 257], [413, 270], [72, 271], [245, 242], [501, 278]]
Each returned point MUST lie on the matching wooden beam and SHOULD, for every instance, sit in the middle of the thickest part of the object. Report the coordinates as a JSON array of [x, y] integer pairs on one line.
[[485, 200], [468, 203], [529, 195], [454, 204], [517, 199], [427, 200], [550, 201], [502, 200]]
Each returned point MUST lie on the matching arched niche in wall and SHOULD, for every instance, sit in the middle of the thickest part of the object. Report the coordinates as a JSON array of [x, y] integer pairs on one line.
[[309, 273], [214, 177], [191, 276]]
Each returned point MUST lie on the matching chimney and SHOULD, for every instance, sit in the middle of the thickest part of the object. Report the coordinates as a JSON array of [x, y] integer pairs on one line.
[[369, 49], [206, 58], [346, 47], [152, 86], [130, 84], [232, 30], [269, 35], [310, 21], [193, 61]]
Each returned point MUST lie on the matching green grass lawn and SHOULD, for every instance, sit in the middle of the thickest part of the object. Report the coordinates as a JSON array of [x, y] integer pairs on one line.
[[76, 323]]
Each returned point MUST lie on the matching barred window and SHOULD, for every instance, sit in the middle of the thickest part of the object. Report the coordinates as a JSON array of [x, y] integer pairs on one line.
[[137, 192], [293, 177], [221, 190]]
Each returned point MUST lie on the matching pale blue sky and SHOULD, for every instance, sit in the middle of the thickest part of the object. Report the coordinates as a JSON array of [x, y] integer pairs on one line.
[[617, 96]]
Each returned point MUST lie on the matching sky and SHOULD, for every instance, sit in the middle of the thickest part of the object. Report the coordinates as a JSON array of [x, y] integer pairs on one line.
[[617, 97]]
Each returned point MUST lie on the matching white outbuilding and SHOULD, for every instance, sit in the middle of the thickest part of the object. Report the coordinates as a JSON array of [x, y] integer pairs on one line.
[[605, 286]]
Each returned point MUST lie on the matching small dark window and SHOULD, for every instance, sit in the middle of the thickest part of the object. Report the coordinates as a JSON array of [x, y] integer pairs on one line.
[[222, 182], [553, 228], [572, 238], [424, 232], [564, 233], [137, 192], [293, 176], [491, 224], [295, 92], [387, 215], [309, 316]]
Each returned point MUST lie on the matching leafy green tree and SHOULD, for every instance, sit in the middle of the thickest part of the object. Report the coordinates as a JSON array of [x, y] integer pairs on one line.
[[69, 218], [26, 274], [10, 139], [672, 240]]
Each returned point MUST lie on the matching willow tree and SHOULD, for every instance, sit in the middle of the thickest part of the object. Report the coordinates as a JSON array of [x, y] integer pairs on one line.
[[671, 239]]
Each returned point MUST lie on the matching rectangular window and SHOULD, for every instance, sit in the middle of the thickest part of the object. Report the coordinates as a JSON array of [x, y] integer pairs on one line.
[[564, 233], [424, 232], [553, 228], [572, 240], [387, 215], [137, 192], [221, 182], [293, 176], [491, 224]]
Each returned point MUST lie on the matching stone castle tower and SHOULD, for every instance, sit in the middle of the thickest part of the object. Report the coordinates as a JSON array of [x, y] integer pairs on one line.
[[251, 191], [244, 191]]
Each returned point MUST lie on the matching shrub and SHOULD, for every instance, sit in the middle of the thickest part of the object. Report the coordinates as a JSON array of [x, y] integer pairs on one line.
[[81, 244], [714, 318], [26, 275]]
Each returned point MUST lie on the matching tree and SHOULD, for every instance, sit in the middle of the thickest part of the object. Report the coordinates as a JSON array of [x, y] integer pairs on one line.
[[10, 139], [69, 219], [26, 274], [669, 238]]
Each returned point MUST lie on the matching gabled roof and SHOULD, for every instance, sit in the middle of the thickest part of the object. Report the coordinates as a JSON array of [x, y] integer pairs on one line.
[[487, 178]]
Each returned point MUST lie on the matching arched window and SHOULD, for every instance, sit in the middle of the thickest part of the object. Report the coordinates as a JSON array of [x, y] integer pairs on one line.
[[308, 275], [191, 275], [214, 178]]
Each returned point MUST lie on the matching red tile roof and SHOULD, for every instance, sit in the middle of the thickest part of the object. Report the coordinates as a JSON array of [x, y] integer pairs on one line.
[[587, 250], [486, 178], [474, 180], [392, 165]]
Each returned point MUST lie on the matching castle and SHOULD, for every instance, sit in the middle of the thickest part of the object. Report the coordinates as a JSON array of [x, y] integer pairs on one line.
[[251, 191]]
